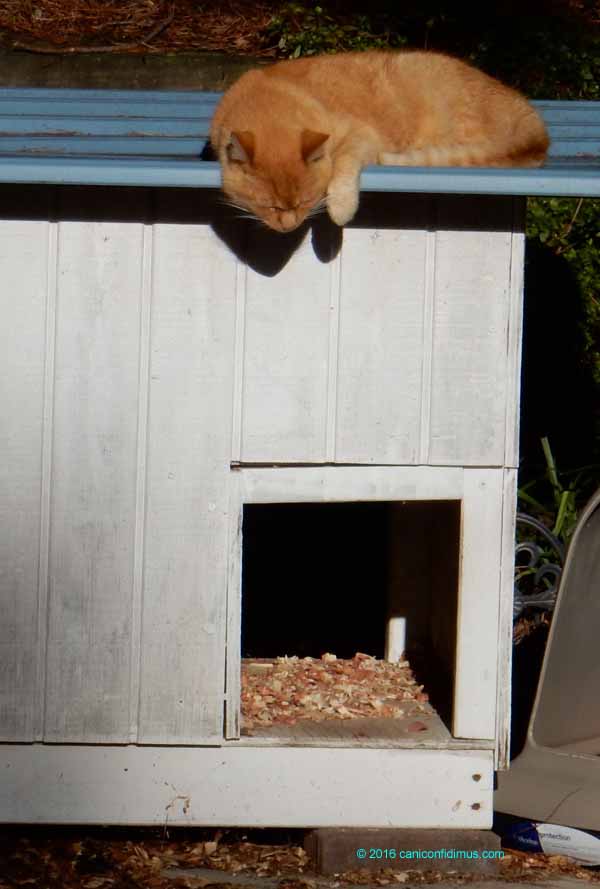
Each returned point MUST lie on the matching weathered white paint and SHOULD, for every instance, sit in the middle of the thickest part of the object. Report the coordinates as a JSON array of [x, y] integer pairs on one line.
[[427, 343], [93, 502], [238, 361], [189, 440], [137, 597], [335, 296], [388, 353], [481, 492], [475, 683], [514, 337], [509, 503], [24, 250], [137, 361], [285, 376], [246, 786], [234, 611], [337, 484], [381, 346], [505, 619], [471, 364], [105, 472], [46, 481]]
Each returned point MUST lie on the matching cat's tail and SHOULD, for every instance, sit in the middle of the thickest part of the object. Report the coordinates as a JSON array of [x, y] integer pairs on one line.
[[522, 144], [483, 155], [440, 156], [527, 141]]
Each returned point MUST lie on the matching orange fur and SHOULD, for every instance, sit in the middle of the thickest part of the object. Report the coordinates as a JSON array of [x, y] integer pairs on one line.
[[294, 136]]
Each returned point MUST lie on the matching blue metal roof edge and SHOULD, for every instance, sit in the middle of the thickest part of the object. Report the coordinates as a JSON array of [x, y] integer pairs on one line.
[[192, 94], [89, 142], [564, 180], [568, 180]]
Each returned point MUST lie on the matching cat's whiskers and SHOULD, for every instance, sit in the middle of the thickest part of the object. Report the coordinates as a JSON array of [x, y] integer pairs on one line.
[[245, 212]]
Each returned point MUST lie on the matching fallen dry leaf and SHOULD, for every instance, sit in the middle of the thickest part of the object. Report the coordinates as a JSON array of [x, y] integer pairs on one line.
[[73, 859]]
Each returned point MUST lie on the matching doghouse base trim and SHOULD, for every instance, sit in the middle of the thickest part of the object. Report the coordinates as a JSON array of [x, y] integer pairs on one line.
[[246, 786]]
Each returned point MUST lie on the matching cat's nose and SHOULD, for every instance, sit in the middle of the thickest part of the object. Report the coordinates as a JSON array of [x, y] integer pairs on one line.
[[288, 219]]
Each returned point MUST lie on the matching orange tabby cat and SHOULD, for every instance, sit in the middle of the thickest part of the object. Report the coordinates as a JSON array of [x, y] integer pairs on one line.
[[294, 136]]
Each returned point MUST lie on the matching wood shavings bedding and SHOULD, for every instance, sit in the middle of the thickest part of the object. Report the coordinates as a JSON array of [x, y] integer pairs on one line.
[[285, 690]]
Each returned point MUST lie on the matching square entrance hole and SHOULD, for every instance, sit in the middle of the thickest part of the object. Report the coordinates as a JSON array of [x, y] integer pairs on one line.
[[325, 579]]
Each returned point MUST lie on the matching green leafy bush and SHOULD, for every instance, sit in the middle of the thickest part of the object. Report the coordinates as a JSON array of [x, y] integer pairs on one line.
[[556, 497], [307, 29], [570, 227]]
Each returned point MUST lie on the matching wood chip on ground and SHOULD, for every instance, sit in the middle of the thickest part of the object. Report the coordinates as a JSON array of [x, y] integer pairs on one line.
[[56, 858]]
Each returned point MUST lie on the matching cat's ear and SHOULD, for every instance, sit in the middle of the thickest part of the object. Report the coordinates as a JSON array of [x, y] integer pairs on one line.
[[241, 147], [312, 145]]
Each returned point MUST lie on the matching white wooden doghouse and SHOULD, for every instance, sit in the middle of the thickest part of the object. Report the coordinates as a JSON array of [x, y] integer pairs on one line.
[[165, 366]]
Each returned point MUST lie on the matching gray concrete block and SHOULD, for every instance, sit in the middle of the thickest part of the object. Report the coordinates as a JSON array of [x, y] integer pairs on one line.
[[199, 71]]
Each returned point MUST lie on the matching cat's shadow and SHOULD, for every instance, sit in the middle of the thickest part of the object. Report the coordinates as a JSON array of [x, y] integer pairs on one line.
[[268, 252], [265, 251]]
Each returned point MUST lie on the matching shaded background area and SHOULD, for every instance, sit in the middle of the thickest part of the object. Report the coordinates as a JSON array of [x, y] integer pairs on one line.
[[314, 579], [559, 392], [269, 28]]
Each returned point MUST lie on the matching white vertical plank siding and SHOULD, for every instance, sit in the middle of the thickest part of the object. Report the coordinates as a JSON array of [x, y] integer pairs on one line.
[[138, 360], [469, 374], [509, 503], [284, 407], [24, 248], [93, 488], [189, 442], [475, 688], [46, 487], [137, 595], [233, 647], [397, 352], [505, 619], [515, 334], [427, 343], [239, 360], [380, 345], [335, 293]]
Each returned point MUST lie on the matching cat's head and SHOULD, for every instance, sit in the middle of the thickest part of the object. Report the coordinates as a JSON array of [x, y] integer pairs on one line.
[[280, 180]]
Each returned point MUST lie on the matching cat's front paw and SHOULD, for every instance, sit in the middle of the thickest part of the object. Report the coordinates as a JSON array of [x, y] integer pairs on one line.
[[342, 203]]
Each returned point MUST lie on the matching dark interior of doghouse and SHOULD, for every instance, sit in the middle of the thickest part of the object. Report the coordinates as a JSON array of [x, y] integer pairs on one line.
[[323, 577]]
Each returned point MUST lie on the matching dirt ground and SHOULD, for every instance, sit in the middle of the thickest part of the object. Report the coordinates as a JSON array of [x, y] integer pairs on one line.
[[239, 27], [59, 858], [137, 26]]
